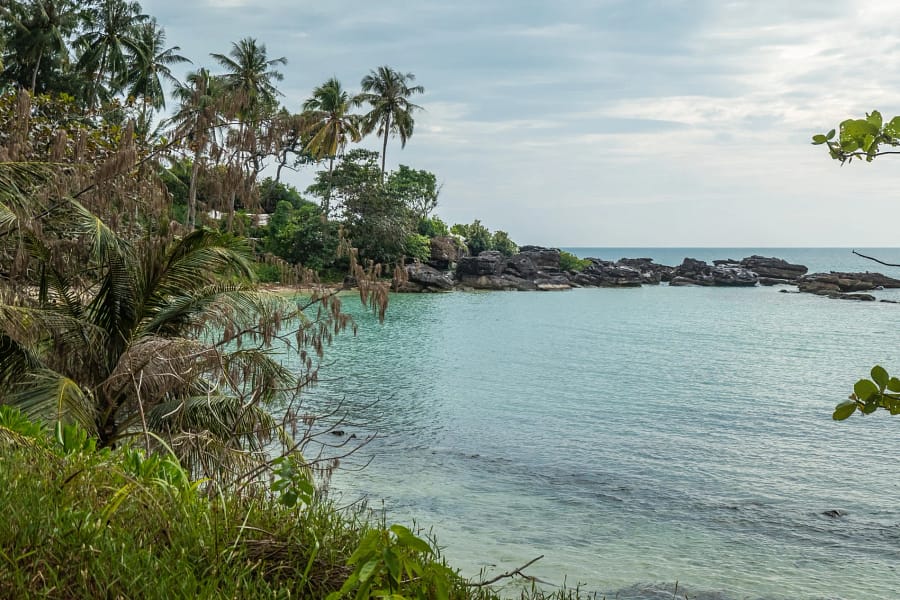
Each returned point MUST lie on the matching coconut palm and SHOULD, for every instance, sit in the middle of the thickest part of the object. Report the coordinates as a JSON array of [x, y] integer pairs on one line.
[[387, 92], [36, 45], [249, 77], [106, 43], [151, 65], [138, 339], [331, 125], [199, 114]]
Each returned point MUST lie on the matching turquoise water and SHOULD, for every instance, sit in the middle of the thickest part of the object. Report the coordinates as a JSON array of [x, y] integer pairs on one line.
[[634, 437]]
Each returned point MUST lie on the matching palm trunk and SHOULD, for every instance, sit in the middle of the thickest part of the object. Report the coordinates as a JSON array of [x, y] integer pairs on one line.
[[387, 130], [34, 75], [327, 203], [192, 190]]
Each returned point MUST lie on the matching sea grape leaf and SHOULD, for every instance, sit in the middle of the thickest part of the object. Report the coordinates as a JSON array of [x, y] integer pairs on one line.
[[844, 410], [880, 376], [865, 389]]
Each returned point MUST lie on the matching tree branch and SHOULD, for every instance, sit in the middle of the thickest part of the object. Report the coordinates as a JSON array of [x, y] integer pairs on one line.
[[508, 574], [881, 262]]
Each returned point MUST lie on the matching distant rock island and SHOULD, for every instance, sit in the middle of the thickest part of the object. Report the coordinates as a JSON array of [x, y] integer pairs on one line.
[[538, 268]]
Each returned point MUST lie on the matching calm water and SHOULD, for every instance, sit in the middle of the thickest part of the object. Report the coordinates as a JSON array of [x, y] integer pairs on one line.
[[636, 437]]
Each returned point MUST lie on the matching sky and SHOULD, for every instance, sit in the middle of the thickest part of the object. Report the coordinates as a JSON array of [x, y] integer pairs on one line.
[[607, 122]]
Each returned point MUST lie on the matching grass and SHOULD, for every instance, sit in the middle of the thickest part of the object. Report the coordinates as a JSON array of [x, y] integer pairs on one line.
[[82, 523]]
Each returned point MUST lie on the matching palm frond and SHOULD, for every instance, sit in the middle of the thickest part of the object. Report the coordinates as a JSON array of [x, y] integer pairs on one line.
[[47, 395]]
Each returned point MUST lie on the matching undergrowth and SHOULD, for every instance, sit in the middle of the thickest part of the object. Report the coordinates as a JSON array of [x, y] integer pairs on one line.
[[83, 523]]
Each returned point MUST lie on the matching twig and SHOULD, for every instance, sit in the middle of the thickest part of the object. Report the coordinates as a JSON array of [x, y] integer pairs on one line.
[[508, 574], [881, 262]]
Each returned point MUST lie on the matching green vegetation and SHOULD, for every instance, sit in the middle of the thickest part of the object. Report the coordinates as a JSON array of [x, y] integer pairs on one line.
[[570, 262], [866, 139], [479, 238]]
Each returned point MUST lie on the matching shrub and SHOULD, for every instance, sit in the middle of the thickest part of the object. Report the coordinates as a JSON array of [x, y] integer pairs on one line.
[[570, 262]]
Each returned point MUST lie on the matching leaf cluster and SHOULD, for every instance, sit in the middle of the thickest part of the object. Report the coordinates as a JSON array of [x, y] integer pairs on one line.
[[861, 138], [881, 391]]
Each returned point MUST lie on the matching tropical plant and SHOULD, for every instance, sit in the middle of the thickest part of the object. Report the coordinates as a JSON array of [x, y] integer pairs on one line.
[[330, 124], [150, 66], [37, 33], [110, 37], [387, 93], [250, 78], [418, 189]]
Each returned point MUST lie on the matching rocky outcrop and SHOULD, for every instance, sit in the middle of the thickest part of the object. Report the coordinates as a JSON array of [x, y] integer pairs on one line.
[[651, 273], [721, 273], [445, 252], [424, 278], [835, 284], [772, 270], [604, 273], [534, 268]]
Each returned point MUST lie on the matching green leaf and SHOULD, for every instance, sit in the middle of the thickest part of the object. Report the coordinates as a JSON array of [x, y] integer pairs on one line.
[[819, 139], [875, 119], [868, 142], [829, 135], [392, 562], [880, 376], [865, 389], [368, 569], [844, 410], [849, 146], [893, 127], [894, 384], [406, 538]]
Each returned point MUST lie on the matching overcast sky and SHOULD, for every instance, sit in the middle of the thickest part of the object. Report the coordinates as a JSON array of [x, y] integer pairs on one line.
[[607, 122]]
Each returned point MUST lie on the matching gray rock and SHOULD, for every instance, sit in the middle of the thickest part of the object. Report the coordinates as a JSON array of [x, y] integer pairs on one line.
[[773, 268]]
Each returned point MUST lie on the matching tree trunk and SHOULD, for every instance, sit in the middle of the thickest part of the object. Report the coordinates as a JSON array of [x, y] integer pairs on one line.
[[387, 130], [192, 190], [34, 75], [327, 203]]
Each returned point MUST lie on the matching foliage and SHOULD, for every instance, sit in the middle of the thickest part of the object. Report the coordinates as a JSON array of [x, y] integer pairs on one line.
[[418, 247], [417, 189], [302, 235], [272, 192], [501, 243], [433, 227], [881, 391], [570, 262], [387, 92], [861, 138]]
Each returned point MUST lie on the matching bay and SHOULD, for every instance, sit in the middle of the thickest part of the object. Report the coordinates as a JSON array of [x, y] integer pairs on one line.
[[634, 437]]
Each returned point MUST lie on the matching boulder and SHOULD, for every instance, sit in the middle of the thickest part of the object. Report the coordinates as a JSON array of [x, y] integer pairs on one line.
[[427, 279], [543, 259], [604, 273], [651, 272], [721, 273], [445, 251], [837, 282], [488, 263], [773, 268]]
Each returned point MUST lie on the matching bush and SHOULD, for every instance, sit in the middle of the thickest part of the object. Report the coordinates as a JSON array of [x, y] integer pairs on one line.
[[570, 262], [500, 242], [418, 247], [433, 227]]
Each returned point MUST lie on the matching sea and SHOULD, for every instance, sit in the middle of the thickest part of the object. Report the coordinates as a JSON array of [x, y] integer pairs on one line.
[[636, 439]]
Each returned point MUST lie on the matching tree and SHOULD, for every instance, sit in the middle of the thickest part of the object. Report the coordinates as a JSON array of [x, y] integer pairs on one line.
[[112, 34], [866, 139], [248, 82], [387, 92], [150, 66], [331, 125], [417, 189], [36, 35]]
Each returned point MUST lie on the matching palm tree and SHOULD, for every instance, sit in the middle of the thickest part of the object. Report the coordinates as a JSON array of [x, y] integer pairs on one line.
[[150, 66], [330, 124], [139, 339], [249, 82], [37, 40], [112, 34], [249, 77], [198, 116], [387, 92]]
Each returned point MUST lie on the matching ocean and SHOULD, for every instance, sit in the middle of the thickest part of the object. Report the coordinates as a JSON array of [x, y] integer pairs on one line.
[[634, 437]]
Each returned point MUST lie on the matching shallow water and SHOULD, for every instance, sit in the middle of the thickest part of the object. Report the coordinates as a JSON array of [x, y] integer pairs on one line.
[[634, 436]]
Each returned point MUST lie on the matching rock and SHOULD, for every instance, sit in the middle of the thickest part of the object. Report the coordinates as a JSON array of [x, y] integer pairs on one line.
[[488, 262], [773, 268], [834, 513], [424, 278], [774, 281], [544, 259], [862, 297], [604, 273], [445, 251], [651, 272], [889, 301], [826, 284], [698, 272]]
